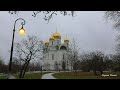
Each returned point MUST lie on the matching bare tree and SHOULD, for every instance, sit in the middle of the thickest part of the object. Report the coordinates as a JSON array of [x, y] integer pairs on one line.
[[27, 50], [1, 60], [74, 56], [97, 61], [16, 64], [115, 16], [1, 64], [38, 65], [47, 14], [116, 62], [86, 62], [108, 62], [93, 61]]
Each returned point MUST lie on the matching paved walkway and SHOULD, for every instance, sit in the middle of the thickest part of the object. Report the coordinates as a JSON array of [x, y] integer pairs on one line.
[[10, 77], [48, 76]]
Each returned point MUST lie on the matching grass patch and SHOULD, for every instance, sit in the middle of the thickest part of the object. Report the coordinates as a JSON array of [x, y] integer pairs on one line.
[[34, 75], [2, 76], [27, 75], [85, 75]]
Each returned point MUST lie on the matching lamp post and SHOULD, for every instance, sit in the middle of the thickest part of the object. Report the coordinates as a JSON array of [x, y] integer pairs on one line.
[[21, 31]]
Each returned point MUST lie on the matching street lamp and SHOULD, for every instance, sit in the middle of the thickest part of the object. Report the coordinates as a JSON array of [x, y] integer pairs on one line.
[[21, 31]]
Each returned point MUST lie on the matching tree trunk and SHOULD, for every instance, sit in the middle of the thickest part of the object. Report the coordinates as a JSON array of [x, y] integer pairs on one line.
[[41, 69], [101, 72], [71, 68], [95, 73], [21, 71], [75, 67], [25, 69]]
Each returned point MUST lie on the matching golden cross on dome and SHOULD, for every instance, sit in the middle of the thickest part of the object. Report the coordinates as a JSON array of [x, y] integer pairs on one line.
[[56, 28], [66, 35]]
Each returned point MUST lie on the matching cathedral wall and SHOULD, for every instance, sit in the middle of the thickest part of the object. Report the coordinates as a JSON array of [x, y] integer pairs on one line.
[[54, 54], [57, 41], [58, 56]]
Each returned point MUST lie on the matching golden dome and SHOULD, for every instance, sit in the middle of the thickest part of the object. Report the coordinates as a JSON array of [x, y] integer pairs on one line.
[[56, 35], [66, 40], [51, 38], [46, 42]]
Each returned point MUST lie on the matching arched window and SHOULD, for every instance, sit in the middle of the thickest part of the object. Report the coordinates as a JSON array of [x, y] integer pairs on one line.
[[67, 44], [63, 48], [57, 42], [63, 56], [52, 43], [52, 56]]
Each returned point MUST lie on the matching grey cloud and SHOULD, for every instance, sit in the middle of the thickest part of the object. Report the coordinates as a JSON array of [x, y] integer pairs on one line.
[[88, 27]]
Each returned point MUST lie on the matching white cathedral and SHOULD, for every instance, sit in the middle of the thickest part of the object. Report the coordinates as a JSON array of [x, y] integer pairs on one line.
[[54, 52]]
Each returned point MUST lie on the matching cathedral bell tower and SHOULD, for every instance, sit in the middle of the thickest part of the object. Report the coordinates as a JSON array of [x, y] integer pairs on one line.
[[66, 42], [51, 40], [46, 45], [57, 38]]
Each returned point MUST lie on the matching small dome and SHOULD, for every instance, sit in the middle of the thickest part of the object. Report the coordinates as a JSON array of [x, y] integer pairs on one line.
[[56, 35], [46, 42], [66, 40], [51, 38]]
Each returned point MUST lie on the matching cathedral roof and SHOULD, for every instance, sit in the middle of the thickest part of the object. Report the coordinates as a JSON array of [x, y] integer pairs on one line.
[[51, 38], [46, 42], [56, 35], [66, 40]]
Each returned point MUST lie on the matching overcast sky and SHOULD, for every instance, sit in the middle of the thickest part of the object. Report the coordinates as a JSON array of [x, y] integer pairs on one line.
[[87, 27]]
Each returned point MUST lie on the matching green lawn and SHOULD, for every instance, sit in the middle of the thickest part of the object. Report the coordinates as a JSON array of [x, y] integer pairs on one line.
[[85, 75], [2, 76], [27, 76]]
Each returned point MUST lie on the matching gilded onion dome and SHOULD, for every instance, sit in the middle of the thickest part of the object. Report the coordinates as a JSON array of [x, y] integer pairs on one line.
[[56, 35], [66, 40], [51, 38], [46, 42]]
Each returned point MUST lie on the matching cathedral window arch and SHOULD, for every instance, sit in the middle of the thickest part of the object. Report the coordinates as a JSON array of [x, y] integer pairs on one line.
[[57, 42], [67, 44], [63, 56], [53, 57], [52, 43], [63, 48]]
